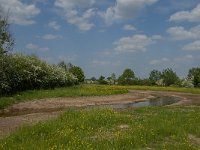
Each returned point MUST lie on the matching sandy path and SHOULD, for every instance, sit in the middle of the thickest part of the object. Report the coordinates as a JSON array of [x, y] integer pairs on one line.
[[41, 110]]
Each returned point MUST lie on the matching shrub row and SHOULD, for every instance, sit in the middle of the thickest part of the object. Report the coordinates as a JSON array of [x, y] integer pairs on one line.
[[19, 72]]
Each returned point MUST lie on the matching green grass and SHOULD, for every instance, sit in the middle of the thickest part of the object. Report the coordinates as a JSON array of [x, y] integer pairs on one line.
[[153, 127], [75, 91], [169, 89]]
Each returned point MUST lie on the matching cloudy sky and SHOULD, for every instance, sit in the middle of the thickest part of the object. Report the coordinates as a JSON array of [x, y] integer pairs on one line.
[[105, 36]]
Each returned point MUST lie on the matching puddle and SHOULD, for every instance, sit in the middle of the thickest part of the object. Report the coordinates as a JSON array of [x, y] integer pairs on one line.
[[160, 101]]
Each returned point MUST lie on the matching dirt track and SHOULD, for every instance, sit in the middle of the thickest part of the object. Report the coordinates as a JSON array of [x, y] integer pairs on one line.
[[41, 110]]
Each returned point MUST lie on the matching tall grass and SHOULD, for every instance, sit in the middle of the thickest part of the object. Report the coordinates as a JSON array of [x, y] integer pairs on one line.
[[144, 128]]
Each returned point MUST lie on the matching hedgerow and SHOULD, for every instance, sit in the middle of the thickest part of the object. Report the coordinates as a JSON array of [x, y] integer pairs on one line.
[[20, 72]]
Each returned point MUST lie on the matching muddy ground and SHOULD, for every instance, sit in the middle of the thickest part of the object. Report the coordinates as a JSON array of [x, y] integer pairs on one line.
[[40, 110]]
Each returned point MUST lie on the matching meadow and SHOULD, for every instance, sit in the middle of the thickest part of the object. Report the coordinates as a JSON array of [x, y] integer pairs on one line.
[[169, 127], [159, 128]]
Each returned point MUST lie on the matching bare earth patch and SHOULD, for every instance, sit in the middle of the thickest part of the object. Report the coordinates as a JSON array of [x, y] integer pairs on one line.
[[194, 140], [41, 110]]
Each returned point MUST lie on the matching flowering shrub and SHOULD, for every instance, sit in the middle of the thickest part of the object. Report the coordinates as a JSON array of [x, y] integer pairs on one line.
[[19, 72], [188, 83]]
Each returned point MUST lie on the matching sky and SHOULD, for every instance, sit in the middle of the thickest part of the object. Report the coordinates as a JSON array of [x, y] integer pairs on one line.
[[107, 36]]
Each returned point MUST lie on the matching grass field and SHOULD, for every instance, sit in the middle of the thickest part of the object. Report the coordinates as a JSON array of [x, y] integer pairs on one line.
[[171, 128], [169, 89], [159, 128]]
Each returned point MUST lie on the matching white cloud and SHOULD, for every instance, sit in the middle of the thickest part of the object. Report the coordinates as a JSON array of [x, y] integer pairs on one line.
[[159, 61], [102, 63], [124, 9], [20, 13], [51, 37], [179, 33], [191, 16], [36, 47], [44, 49], [185, 58], [133, 43], [129, 27], [54, 25], [31, 46], [78, 12], [194, 46], [156, 37], [67, 59]]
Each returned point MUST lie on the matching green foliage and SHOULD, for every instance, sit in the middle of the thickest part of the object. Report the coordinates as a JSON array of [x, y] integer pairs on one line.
[[155, 76], [19, 72], [102, 80], [188, 83], [194, 74], [169, 77], [6, 40], [77, 72], [170, 128], [63, 65], [143, 82], [127, 77]]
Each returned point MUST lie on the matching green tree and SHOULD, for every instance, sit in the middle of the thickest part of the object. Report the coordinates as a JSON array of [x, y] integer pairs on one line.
[[155, 76], [93, 79], [194, 75], [169, 77], [102, 80], [127, 77], [63, 65], [113, 77], [78, 72], [6, 40]]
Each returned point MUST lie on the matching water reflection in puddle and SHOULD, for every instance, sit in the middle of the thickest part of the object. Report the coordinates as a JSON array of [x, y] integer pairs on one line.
[[160, 101]]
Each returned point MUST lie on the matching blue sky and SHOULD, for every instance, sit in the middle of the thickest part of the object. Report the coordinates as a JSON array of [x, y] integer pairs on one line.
[[106, 36]]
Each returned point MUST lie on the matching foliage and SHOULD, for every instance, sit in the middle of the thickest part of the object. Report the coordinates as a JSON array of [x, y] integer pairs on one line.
[[63, 65], [156, 128], [113, 78], [155, 76], [127, 77], [102, 80], [20, 72], [169, 77], [143, 82], [188, 83], [93, 79], [78, 72], [194, 74], [6, 40]]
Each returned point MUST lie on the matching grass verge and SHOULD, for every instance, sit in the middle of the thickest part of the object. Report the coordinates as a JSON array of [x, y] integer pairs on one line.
[[167, 89], [168, 128]]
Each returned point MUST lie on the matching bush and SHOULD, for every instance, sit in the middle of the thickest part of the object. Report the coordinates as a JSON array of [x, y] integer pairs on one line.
[[187, 83], [19, 72]]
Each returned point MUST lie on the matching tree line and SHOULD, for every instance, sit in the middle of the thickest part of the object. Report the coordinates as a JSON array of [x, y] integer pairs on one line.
[[167, 77]]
